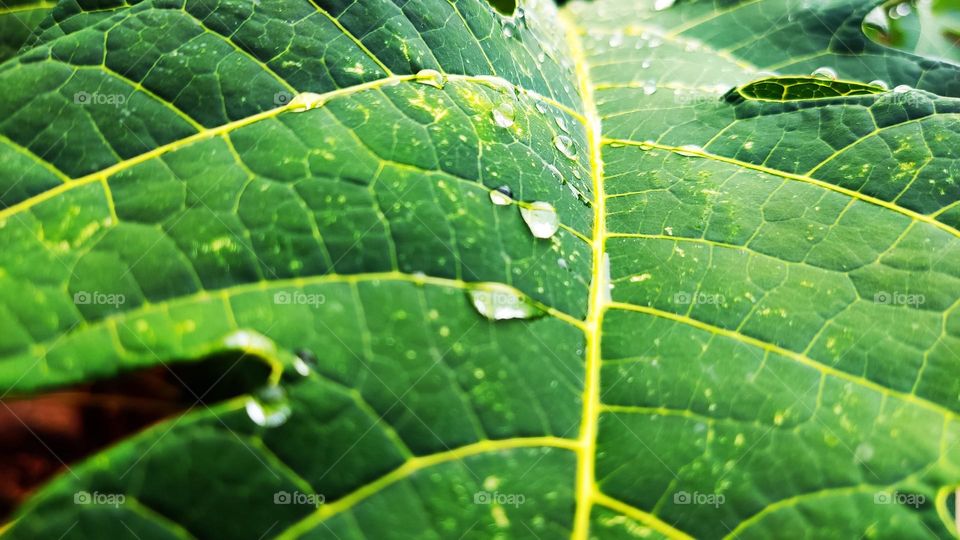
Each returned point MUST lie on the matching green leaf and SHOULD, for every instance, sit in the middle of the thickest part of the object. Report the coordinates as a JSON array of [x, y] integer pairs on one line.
[[18, 19], [611, 271]]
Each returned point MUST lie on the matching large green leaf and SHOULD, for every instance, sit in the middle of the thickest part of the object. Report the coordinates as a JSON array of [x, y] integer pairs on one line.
[[743, 326]]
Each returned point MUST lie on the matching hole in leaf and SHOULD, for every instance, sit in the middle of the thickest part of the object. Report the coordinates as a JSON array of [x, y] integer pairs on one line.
[[504, 7], [800, 88], [925, 27], [44, 433]]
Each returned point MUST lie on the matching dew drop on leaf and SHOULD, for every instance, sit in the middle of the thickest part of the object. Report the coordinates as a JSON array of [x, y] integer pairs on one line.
[[902, 89], [503, 114], [501, 196], [562, 124], [881, 84], [541, 218], [825, 73], [268, 407], [689, 150], [541, 107], [565, 145], [498, 303], [431, 77], [306, 101], [661, 5]]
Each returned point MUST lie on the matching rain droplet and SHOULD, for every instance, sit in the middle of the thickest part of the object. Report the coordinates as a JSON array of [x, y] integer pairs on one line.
[[565, 145], [541, 218], [541, 107], [825, 73], [503, 115], [562, 124], [649, 88], [431, 77], [499, 302], [661, 5], [305, 359], [690, 150], [902, 89], [501, 196], [268, 407], [562, 263], [497, 83], [616, 40], [305, 101], [881, 84]]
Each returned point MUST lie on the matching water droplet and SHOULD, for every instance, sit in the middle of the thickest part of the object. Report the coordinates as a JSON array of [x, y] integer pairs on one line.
[[649, 88], [305, 359], [902, 89], [541, 218], [881, 84], [503, 114], [661, 5], [616, 40], [565, 145], [305, 101], [497, 83], [541, 107], [690, 150], [501, 196], [562, 263], [499, 302], [431, 77], [645, 64], [825, 73], [562, 124], [268, 407]]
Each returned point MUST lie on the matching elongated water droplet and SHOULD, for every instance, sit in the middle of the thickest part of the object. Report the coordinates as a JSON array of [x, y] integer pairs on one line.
[[661, 5], [690, 150], [499, 302], [431, 77], [541, 107], [562, 124], [268, 407], [565, 145], [881, 84], [825, 73], [501, 196], [902, 89], [497, 83], [503, 114], [649, 88], [305, 359], [305, 101], [541, 218]]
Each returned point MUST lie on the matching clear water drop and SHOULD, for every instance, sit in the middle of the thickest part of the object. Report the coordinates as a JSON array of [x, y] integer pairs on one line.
[[541, 107], [825, 73], [660, 5], [502, 196], [431, 77], [306, 101], [616, 40], [902, 89], [562, 263], [305, 359], [268, 407], [565, 145], [499, 302], [562, 124], [504, 114], [498, 83], [881, 84], [690, 150], [649, 89], [541, 218]]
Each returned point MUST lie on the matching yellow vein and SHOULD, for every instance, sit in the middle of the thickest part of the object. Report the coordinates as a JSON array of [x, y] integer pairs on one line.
[[639, 515], [586, 466], [414, 465], [787, 353], [792, 176], [26, 152], [9, 10], [352, 37]]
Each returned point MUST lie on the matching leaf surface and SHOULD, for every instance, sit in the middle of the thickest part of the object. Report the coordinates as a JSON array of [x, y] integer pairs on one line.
[[743, 325]]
